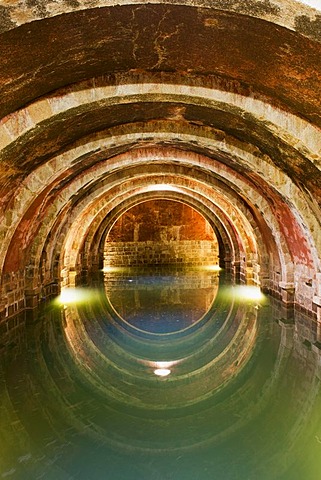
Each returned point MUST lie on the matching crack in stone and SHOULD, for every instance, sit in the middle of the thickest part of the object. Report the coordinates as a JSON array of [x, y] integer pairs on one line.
[[160, 39], [135, 38]]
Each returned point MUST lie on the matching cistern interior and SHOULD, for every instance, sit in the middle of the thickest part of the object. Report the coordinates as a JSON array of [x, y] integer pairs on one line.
[[160, 240]]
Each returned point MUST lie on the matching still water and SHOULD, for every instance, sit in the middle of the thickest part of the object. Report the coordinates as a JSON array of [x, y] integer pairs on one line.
[[157, 376]]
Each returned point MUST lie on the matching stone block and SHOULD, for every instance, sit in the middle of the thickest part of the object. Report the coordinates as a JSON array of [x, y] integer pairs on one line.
[[40, 111]]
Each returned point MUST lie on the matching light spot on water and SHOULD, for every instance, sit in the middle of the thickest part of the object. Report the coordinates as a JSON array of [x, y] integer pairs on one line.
[[245, 293], [71, 296], [162, 372]]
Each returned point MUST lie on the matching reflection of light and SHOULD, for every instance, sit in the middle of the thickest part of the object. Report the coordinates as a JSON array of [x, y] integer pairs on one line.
[[161, 368], [73, 295], [163, 365], [245, 292], [111, 269], [213, 268], [162, 372]]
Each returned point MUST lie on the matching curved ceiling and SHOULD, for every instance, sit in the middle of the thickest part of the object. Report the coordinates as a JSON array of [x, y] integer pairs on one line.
[[213, 103]]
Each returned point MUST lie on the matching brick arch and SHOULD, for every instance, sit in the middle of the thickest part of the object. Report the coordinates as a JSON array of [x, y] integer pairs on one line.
[[96, 238], [134, 185], [36, 255], [279, 13], [114, 195], [294, 125]]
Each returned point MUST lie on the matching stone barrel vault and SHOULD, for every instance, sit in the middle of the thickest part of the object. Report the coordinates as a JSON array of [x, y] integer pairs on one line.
[[108, 104]]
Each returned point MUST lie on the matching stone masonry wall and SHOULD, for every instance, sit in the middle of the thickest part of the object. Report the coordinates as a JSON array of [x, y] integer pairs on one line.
[[161, 221], [12, 294], [185, 252]]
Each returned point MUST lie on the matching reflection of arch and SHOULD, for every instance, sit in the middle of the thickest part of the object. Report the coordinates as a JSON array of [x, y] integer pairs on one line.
[[259, 392], [99, 338], [179, 300], [261, 380]]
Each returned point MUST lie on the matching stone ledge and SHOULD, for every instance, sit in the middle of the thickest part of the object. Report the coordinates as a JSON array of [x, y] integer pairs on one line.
[[289, 286], [317, 300]]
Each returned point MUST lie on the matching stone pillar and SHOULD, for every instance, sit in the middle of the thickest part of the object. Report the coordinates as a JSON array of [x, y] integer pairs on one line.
[[287, 292], [32, 297]]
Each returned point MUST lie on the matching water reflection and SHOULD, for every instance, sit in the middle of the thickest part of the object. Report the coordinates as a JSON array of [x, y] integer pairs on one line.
[[164, 302], [80, 398]]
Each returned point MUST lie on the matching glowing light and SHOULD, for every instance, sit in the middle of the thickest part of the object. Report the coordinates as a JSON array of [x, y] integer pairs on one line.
[[245, 292], [213, 268], [109, 269], [71, 296], [162, 372], [164, 365], [161, 368]]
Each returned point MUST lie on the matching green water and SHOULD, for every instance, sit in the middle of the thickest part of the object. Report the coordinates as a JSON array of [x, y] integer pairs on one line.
[[81, 397]]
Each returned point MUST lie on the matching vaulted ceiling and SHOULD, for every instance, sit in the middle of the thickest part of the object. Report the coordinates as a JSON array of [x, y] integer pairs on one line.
[[214, 103]]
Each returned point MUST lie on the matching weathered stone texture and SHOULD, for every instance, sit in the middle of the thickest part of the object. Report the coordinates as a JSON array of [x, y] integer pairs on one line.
[[109, 104], [176, 253]]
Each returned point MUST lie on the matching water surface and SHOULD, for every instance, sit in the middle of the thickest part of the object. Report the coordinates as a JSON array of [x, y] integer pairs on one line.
[[81, 399]]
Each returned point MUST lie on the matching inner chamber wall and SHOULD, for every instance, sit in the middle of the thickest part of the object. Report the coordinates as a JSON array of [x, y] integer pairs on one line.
[[161, 232]]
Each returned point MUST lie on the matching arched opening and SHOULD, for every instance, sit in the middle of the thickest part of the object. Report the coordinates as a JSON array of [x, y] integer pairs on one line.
[[138, 156], [161, 233], [152, 259]]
